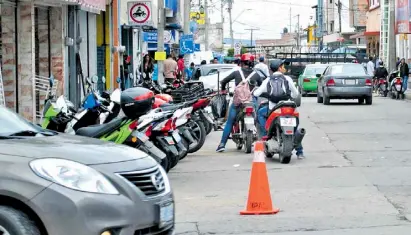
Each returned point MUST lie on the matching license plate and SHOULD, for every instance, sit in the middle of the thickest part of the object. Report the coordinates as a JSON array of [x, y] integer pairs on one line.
[[350, 82], [176, 136], [249, 120], [288, 122], [166, 214], [398, 87], [141, 136], [169, 140]]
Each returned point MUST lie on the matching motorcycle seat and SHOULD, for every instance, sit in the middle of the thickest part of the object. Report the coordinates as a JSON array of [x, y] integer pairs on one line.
[[170, 107], [99, 130]]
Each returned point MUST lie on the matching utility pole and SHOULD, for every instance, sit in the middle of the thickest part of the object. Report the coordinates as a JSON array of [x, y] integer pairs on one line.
[[160, 37], [187, 8], [230, 6], [391, 63], [206, 24], [222, 24], [339, 16], [298, 33], [290, 30], [252, 30]]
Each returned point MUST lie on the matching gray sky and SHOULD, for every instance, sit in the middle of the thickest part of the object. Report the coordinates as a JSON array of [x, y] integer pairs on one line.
[[270, 16]]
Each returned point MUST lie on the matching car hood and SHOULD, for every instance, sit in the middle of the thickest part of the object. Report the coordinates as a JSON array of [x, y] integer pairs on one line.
[[87, 151]]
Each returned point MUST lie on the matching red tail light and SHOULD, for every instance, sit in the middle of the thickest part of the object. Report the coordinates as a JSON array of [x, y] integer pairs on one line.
[[249, 111], [398, 81], [382, 81], [306, 80], [168, 126], [148, 131], [368, 82], [330, 82], [287, 111], [133, 125]]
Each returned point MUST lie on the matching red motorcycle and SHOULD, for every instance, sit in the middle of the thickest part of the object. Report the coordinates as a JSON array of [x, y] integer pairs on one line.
[[282, 133]]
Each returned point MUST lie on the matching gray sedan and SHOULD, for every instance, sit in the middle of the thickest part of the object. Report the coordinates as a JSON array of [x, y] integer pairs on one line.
[[59, 184], [344, 81]]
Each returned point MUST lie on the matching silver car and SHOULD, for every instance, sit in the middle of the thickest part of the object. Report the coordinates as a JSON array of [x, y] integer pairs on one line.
[[344, 81], [59, 184]]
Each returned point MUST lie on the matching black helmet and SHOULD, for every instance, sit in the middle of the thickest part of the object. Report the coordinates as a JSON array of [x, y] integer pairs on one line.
[[276, 63]]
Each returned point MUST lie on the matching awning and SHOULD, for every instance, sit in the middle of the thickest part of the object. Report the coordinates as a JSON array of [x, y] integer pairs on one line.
[[92, 5], [358, 35], [372, 33]]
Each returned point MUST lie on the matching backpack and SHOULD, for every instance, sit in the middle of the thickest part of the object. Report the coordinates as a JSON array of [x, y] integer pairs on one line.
[[242, 93], [278, 88]]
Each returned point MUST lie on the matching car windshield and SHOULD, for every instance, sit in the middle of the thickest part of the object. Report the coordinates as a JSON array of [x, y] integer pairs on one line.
[[348, 69], [311, 71], [13, 125]]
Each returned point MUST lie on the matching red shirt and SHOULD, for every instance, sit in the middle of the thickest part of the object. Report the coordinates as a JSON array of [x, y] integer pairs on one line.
[[180, 64]]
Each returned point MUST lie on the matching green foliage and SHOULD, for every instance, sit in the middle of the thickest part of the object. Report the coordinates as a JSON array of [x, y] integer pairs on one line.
[[230, 52]]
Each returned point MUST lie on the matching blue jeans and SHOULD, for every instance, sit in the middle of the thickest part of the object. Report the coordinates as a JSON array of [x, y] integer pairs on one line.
[[405, 83], [261, 117], [232, 113]]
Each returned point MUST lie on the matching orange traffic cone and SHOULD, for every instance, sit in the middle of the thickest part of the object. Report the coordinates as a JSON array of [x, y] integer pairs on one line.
[[259, 196]]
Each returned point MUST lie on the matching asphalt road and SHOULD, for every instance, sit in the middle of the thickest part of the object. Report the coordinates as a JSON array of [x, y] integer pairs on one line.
[[355, 180]]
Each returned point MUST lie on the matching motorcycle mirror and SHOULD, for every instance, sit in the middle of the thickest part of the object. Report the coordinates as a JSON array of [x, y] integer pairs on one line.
[[94, 79], [105, 95]]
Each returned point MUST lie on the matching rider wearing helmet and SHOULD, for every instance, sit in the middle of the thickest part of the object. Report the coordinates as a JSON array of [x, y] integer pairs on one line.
[[278, 68], [255, 80]]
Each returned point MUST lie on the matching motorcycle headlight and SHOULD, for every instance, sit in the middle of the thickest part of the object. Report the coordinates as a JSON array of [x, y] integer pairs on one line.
[[72, 175]]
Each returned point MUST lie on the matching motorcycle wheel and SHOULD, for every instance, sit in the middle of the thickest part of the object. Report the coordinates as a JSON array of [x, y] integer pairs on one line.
[[165, 163], [185, 143], [287, 146], [199, 133], [248, 141], [385, 93]]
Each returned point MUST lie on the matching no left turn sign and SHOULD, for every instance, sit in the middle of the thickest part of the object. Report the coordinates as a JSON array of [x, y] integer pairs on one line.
[[139, 13]]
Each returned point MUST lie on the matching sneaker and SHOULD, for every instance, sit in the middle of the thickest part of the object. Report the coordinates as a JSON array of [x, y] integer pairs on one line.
[[300, 156], [220, 149]]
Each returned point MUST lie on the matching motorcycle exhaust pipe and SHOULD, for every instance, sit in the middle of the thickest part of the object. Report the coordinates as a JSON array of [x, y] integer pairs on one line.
[[299, 136]]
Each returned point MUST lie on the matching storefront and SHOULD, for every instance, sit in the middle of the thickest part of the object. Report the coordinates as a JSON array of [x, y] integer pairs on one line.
[[31, 46], [82, 46]]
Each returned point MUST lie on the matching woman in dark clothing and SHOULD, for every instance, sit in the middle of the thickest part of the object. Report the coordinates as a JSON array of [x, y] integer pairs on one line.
[[404, 72], [148, 67]]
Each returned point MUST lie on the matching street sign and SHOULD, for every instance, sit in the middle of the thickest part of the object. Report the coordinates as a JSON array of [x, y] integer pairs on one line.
[[237, 45], [237, 51], [187, 44], [139, 13]]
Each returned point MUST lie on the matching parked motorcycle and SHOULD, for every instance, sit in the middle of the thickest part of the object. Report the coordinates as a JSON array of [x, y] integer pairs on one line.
[[282, 133]]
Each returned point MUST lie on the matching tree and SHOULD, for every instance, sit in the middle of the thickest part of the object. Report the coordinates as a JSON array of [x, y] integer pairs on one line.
[[230, 52]]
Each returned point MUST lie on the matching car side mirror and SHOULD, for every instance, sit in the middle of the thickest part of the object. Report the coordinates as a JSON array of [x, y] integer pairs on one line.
[[318, 75]]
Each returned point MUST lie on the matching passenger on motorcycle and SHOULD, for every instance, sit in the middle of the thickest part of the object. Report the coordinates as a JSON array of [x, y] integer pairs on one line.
[[381, 72], [290, 91], [255, 80]]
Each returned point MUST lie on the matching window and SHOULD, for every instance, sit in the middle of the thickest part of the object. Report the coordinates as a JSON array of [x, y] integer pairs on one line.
[[332, 27], [310, 71], [348, 69], [374, 4]]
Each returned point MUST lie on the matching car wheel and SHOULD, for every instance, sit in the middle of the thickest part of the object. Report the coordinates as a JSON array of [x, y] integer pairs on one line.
[[319, 98], [368, 100], [361, 100], [326, 100], [15, 222]]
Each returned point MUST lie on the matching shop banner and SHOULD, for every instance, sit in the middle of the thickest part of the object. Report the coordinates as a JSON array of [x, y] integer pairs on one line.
[[402, 23], [93, 4]]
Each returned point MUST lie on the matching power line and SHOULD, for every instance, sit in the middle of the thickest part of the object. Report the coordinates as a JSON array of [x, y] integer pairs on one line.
[[299, 5]]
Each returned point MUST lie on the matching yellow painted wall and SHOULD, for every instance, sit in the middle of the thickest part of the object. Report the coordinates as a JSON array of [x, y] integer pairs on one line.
[[100, 42]]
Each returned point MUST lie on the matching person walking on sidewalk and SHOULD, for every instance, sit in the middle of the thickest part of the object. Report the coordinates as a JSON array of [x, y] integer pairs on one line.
[[170, 69], [370, 67], [404, 72]]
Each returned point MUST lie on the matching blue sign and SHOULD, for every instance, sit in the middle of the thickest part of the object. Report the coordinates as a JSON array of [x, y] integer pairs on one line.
[[187, 44], [197, 47], [151, 37]]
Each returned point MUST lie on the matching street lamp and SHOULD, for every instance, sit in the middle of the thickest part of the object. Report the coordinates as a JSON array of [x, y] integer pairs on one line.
[[231, 25]]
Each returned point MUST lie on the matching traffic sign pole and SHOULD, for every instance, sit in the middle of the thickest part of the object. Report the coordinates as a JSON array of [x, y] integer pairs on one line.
[[160, 38]]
